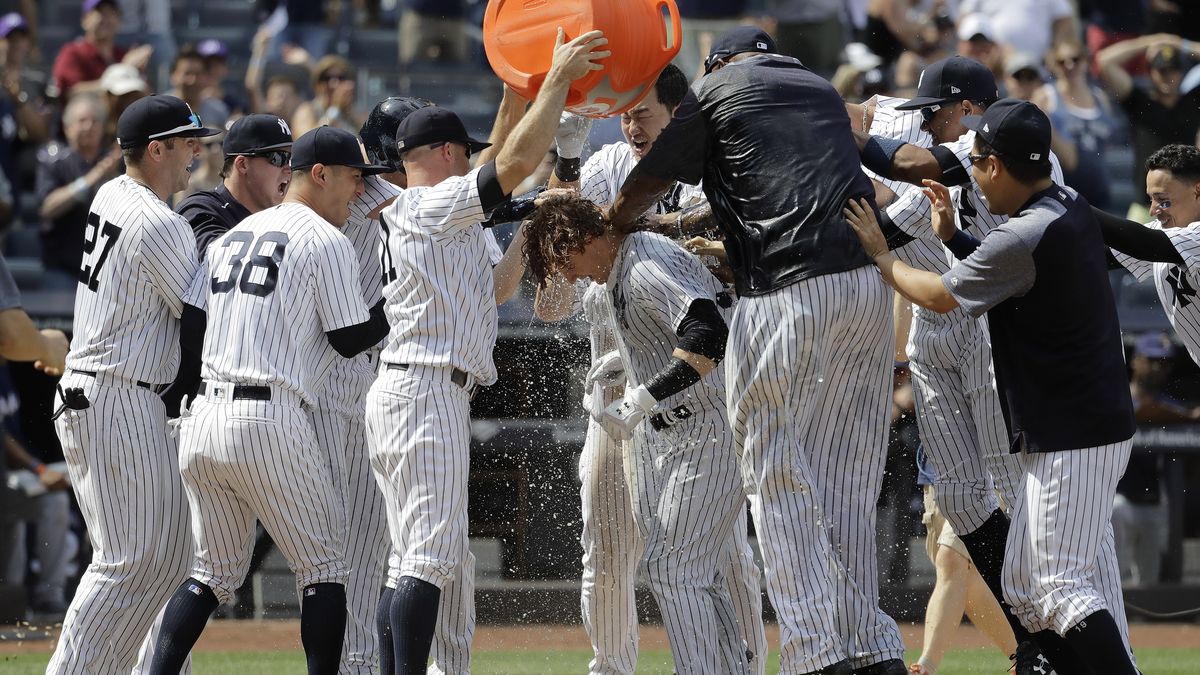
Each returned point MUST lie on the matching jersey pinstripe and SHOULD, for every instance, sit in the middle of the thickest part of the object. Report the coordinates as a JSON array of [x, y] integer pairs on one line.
[[138, 259], [440, 299], [1176, 284], [606, 170], [278, 282]]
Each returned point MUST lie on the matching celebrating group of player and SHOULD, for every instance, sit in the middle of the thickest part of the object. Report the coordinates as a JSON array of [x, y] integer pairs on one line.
[[327, 314]]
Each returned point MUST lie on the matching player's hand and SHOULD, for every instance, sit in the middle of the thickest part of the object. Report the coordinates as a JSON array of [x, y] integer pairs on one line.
[[942, 213], [571, 135], [572, 60], [702, 246], [862, 219], [54, 480], [54, 358], [623, 416], [607, 371], [551, 193]]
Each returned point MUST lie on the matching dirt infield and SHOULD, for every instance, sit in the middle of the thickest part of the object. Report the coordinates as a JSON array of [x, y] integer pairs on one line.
[[257, 636]]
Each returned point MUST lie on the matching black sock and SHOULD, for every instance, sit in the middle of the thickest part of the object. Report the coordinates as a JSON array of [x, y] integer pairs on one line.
[[414, 615], [323, 626], [383, 628], [1099, 641], [184, 619], [986, 546]]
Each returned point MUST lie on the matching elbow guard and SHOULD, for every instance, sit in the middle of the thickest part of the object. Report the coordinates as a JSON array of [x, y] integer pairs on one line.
[[703, 331]]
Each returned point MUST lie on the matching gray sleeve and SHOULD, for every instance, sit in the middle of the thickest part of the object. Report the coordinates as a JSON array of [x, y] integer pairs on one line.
[[1001, 268], [10, 297]]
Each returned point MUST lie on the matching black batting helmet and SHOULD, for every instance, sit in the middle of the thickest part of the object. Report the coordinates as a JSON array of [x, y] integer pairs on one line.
[[378, 133]]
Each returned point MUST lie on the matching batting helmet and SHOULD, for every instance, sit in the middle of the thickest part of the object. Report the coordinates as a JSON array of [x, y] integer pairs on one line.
[[378, 133]]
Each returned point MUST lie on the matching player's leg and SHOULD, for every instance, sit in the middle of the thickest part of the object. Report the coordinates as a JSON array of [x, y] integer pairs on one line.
[[745, 588], [125, 477], [300, 504], [847, 443], [1050, 581], [1125, 534], [612, 548], [1002, 465], [770, 369], [222, 523], [692, 527], [382, 459], [451, 650]]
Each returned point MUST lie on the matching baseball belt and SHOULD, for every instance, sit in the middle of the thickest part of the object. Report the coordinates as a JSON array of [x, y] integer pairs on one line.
[[92, 374], [459, 377], [243, 392], [670, 417]]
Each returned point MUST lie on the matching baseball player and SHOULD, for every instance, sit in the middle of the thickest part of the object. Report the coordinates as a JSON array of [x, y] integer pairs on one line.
[[284, 304], [611, 543], [1042, 280], [441, 306], [687, 495], [808, 375], [138, 259]]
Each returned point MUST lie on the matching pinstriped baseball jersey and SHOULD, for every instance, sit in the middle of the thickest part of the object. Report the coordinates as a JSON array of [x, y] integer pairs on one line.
[[602, 175], [598, 313], [439, 296], [1176, 284], [138, 260], [652, 284], [278, 282]]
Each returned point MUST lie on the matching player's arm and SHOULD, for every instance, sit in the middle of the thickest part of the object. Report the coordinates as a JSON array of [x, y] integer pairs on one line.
[[193, 323], [898, 160], [167, 252], [688, 222], [508, 115], [1136, 240], [569, 140], [20, 340], [349, 326], [508, 272]]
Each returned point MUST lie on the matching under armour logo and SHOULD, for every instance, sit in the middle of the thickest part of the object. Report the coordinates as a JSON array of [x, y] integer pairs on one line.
[[1042, 666], [955, 90], [283, 126]]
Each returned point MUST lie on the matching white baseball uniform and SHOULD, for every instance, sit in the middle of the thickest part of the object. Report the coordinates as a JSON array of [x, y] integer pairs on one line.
[[339, 420], [687, 495], [272, 286], [1176, 284], [138, 258], [440, 302], [611, 543]]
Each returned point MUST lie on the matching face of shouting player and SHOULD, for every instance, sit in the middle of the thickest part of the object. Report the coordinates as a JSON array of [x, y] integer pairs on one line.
[[642, 124], [178, 155]]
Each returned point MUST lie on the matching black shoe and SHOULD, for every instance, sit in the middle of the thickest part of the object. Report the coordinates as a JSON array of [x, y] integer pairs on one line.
[[889, 667], [839, 668], [1030, 661]]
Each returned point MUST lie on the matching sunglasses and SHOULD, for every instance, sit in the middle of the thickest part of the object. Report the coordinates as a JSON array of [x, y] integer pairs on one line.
[[277, 158], [1027, 75], [928, 112], [334, 77], [1069, 61], [975, 159]]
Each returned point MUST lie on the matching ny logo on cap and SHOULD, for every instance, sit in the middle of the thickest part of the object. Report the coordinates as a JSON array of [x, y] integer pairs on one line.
[[283, 126], [920, 79]]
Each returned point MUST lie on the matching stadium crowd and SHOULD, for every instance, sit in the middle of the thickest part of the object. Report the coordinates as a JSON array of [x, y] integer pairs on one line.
[[1119, 79]]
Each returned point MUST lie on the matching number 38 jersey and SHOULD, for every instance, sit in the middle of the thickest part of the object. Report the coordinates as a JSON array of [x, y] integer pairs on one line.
[[138, 259], [273, 286]]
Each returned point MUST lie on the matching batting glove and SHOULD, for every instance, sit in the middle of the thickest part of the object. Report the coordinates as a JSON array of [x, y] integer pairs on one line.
[[623, 416], [572, 133], [607, 371]]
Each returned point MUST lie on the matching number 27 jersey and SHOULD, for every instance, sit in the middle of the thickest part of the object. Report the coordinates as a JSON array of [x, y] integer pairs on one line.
[[273, 286]]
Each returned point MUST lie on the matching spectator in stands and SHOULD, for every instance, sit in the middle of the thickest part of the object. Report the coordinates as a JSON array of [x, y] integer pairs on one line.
[[977, 40], [1023, 75], [333, 99], [283, 99], [309, 24], [1162, 114], [810, 30], [67, 178], [936, 41], [85, 59], [24, 86], [1111, 21], [1139, 514], [1179, 17], [894, 26], [1083, 114], [216, 69], [50, 507], [703, 20], [120, 85], [432, 30], [1026, 26], [189, 82]]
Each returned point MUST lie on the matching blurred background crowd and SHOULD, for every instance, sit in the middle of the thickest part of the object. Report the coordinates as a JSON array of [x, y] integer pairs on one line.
[[1118, 78]]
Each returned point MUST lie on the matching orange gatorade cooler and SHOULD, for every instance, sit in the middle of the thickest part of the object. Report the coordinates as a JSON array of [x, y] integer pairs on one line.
[[643, 36]]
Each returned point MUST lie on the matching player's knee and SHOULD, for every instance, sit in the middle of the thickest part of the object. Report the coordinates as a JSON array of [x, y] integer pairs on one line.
[[951, 565]]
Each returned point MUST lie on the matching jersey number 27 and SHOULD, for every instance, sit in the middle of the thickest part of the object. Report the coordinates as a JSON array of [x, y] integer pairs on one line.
[[89, 275], [242, 273]]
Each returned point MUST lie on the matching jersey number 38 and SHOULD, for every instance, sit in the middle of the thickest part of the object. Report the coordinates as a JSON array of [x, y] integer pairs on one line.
[[254, 266]]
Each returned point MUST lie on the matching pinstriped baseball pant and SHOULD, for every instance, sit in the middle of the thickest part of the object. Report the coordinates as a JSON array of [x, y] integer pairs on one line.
[[344, 438], [1060, 556], [808, 372], [959, 418], [125, 473], [419, 428]]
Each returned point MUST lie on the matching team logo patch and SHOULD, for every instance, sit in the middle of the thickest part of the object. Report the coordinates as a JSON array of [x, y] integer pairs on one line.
[[309, 592], [195, 590]]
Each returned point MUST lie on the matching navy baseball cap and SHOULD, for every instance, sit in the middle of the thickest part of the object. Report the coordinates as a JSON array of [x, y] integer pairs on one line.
[[956, 78], [737, 40], [332, 147], [159, 117], [257, 133], [434, 124], [12, 21], [1016, 130]]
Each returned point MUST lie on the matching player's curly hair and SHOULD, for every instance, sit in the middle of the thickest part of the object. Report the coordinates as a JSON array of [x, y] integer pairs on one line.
[[562, 225]]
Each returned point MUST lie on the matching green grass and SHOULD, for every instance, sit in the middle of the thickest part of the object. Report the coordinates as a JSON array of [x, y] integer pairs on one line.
[[1182, 661]]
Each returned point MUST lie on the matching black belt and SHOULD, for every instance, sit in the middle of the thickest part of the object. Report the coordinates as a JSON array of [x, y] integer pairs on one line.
[[670, 417], [457, 376], [242, 392], [92, 374]]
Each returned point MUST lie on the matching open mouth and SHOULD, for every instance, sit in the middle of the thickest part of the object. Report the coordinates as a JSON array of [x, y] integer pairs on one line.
[[283, 188], [639, 146]]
